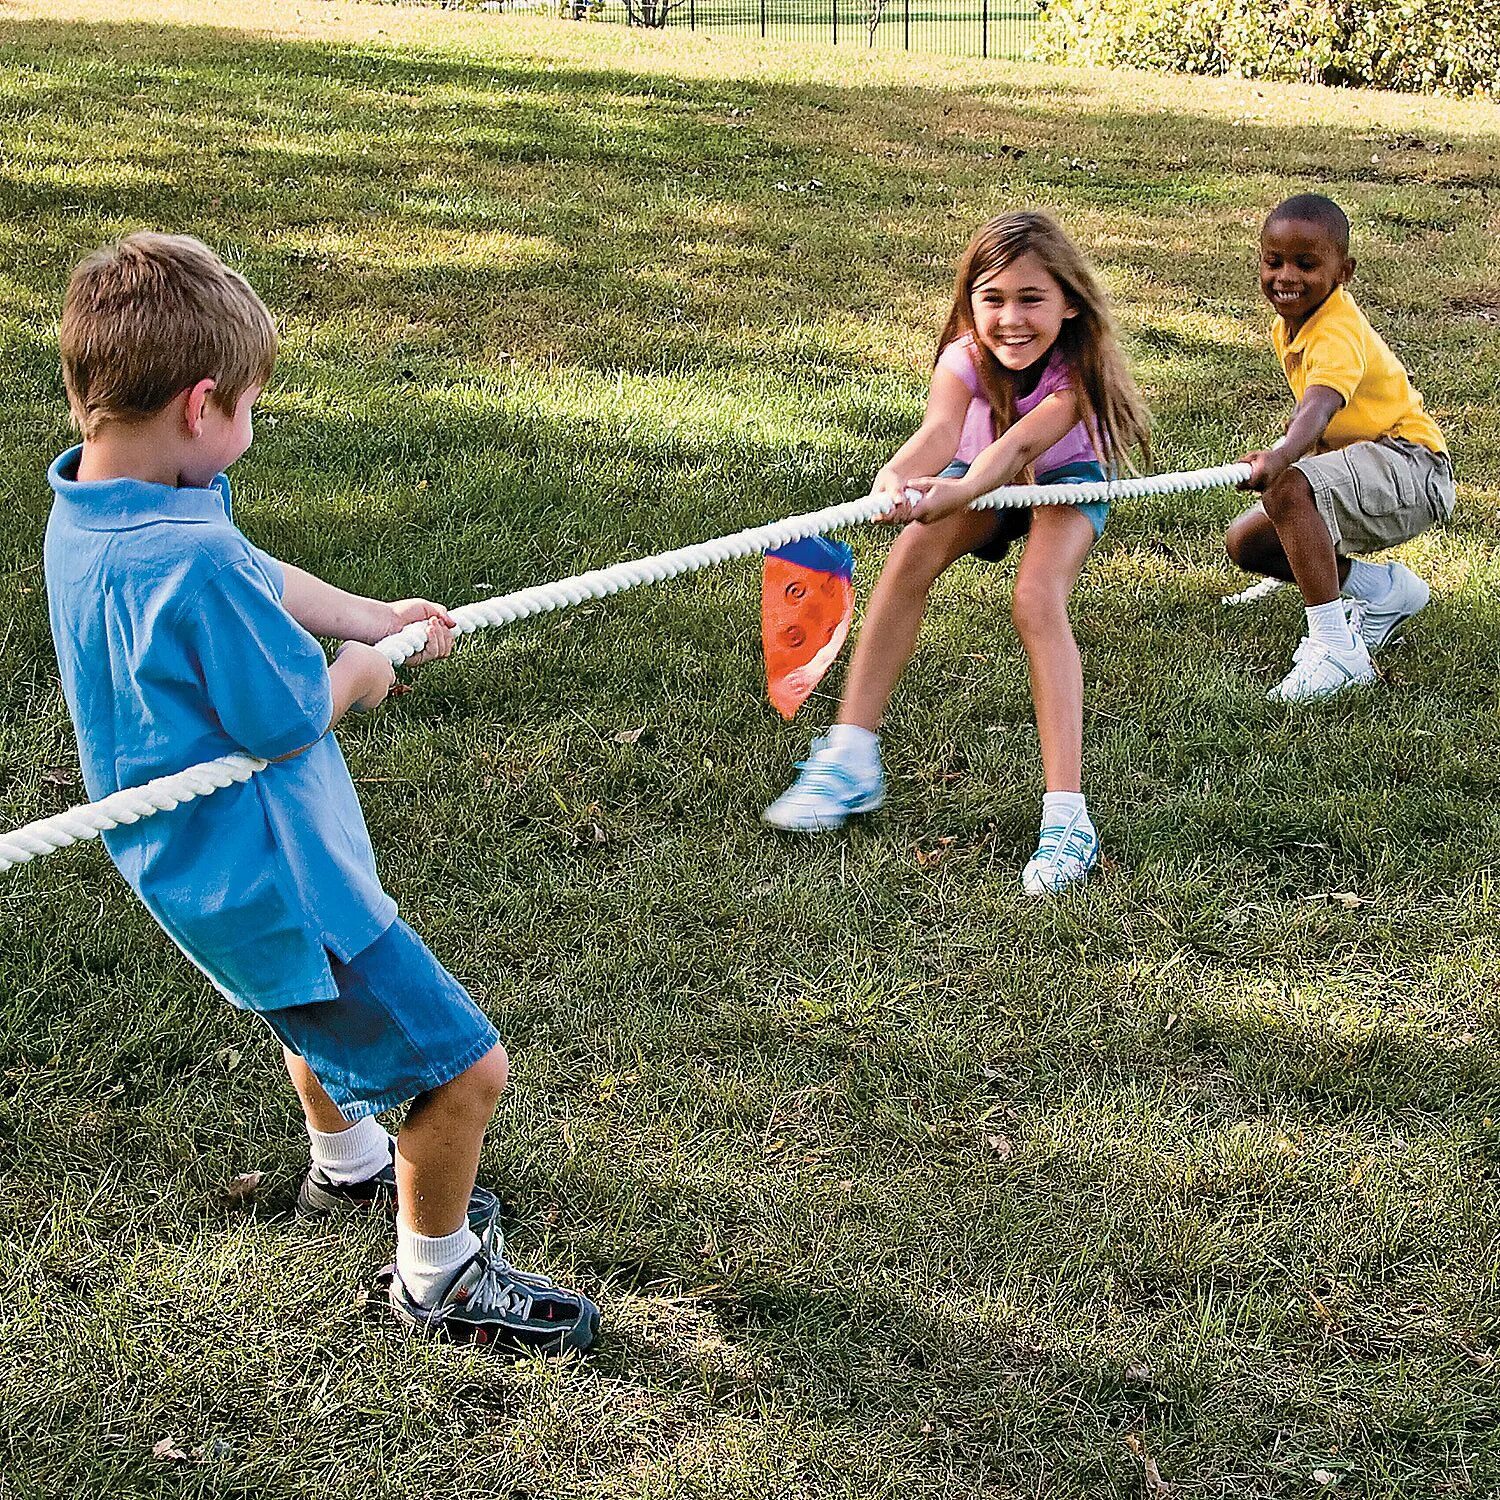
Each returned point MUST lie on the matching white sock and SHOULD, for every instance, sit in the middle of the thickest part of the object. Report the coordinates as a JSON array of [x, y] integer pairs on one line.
[[859, 745], [1329, 624], [1059, 807], [426, 1263], [352, 1155], [1368, 581]]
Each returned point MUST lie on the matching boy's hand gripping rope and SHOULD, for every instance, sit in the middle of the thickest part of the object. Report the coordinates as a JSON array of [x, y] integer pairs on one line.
[[166, 792]]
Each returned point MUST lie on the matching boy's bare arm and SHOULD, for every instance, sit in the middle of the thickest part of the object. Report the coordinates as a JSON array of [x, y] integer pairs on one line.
[[1319, 405], [321, 609]]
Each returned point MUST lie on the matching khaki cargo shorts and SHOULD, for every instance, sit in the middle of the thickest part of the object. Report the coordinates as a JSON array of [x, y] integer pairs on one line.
[[1376, 495]]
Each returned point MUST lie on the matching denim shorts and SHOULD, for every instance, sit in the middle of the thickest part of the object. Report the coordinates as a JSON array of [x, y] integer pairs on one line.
[[1013, 522], [401, 1025]]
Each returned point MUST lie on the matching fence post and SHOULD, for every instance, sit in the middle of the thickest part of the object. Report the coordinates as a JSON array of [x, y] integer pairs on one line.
[[762, 20], [835, 22], [906, 25], [692, 15], [984, 29]]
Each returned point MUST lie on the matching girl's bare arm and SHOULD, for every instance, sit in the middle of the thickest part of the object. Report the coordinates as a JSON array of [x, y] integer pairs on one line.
[[1020, 444]]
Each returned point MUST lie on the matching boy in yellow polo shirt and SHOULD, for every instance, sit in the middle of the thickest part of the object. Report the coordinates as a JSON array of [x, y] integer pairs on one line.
[[1362, 467]]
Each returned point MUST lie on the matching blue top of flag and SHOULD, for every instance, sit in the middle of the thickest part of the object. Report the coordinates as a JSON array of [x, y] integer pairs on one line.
[[819, 553]]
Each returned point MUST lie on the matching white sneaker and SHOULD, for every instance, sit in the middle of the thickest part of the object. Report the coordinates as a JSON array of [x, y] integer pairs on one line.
[[1065, 854], [827, 793], [1375, 624], [1320, 670]]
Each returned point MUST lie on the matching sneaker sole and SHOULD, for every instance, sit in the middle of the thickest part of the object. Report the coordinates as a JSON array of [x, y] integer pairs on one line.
[[576, 1340], [829, 824], [1343, 687], [1031, 888]]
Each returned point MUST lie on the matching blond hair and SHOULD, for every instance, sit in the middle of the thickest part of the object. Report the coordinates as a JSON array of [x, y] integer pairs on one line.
[[1110, 405], [151, 315]]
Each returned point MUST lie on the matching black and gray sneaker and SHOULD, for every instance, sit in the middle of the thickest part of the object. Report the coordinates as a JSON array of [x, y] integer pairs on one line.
[[489, 1302], [318, 1198]]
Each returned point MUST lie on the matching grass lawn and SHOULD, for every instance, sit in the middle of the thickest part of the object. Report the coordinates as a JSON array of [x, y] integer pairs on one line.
[[890, 1181]]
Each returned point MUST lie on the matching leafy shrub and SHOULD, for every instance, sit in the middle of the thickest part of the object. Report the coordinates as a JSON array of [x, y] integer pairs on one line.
[[1417, 45]]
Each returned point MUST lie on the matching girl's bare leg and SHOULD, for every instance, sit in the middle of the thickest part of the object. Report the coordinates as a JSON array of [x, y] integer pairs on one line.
[[1059, 541], [888, 637]]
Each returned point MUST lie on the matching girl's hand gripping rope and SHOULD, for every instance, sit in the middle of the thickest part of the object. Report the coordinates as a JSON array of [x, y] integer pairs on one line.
[[889, 485], [937, 499]]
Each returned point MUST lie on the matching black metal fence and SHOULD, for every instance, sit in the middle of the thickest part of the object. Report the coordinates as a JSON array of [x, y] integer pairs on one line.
[[967, 28]]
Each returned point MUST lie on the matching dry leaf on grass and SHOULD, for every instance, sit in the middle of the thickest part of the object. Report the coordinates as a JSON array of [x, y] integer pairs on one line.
[[241, 1191], [1349, 900], [1156, 1487], [166, 1451], [628, 736]]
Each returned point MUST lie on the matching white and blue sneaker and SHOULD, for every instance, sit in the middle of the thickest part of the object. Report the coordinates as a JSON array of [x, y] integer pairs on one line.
[[1376, 623], [1319, 670], [1065, 854], [830, 790]]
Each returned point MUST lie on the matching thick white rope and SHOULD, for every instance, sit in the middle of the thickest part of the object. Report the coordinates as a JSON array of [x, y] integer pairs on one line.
[[1256, 591], [167, 792]]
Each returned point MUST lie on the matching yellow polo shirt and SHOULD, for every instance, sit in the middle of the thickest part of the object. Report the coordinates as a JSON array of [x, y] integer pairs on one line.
[[1338, 348]]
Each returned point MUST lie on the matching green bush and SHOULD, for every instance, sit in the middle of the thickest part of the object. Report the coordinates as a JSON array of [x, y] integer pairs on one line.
[[1418, 45]]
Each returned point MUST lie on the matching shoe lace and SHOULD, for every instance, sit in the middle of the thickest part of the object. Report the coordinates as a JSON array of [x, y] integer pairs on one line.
[[823, 774], [1059, 841], [495, 1289]]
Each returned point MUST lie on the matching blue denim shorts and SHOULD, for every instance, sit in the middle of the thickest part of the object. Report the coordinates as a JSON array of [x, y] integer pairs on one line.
[[1014, 522], [401, 1025]]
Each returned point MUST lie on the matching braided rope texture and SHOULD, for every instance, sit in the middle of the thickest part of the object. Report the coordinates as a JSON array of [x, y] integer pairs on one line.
[[166, 792]]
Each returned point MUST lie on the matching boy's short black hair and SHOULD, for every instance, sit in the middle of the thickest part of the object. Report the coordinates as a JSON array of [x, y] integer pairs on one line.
[[1314, 208]]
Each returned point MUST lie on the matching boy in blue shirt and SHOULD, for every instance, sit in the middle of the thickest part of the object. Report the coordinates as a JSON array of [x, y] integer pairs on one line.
[[179, 641]]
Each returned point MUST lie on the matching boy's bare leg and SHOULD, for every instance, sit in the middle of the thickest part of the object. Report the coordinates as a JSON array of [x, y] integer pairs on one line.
[[1060, 539], [920, 555], [437, 1151], [322, 1113], [1252, 544], [1286, 537]]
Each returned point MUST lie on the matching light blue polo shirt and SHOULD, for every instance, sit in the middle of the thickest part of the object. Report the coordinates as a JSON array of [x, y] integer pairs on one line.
[[175, 648]]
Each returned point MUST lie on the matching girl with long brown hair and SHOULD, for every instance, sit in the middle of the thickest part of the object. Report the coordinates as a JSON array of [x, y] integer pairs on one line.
[[1029, 377]]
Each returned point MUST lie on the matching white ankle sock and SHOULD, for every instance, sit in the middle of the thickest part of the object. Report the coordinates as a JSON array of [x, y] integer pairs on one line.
[[426, 1263], [1329, 624], [1058, 807], [345, 1156], [862, 747], [1370, 582]]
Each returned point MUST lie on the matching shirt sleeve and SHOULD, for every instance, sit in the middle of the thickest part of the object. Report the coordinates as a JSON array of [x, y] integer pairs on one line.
[[1336, 359], [1056, 377], [265, 677], [956, 361]]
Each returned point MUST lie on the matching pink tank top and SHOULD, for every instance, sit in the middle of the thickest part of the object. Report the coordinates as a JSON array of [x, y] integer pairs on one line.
[[1075, 445]]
